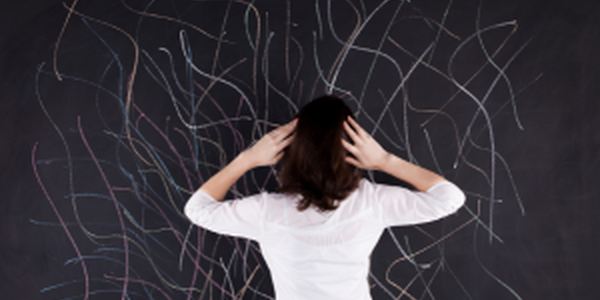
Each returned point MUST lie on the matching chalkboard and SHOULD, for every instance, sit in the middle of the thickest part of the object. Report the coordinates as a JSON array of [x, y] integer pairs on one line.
[[114, 111]]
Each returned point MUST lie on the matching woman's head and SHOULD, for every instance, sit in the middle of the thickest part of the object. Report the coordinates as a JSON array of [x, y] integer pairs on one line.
[[313, 164]]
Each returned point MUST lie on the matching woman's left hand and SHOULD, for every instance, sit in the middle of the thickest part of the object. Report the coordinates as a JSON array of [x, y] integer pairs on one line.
[[269, 149]]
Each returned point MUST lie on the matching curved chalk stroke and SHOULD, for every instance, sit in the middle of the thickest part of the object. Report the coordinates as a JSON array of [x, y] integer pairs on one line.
[[174, 89]]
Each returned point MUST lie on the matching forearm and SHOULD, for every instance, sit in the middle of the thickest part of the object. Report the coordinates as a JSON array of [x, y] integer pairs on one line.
[[267, 151], [421, 178], [218, 185]]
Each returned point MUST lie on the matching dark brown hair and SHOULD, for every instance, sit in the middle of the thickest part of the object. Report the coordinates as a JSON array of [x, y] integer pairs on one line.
[[313, 165]]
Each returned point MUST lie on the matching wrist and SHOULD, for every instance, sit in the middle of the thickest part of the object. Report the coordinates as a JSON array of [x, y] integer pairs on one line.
[[244, 161], [384, 162]]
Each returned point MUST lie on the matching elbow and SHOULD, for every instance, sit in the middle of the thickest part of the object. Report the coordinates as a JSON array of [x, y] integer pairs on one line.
[[187, 209], [449, 193], [463, 198], [453, 197], [192, 209], [198, 208], [458, 198]]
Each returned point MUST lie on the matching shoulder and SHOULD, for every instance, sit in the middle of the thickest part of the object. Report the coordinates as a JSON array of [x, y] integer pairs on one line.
[[374, 190], [363, 196], [271, 197], [365, 185], [272, 202]]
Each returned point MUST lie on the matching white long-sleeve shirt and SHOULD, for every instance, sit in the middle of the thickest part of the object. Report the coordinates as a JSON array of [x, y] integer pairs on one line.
[[316, 255]]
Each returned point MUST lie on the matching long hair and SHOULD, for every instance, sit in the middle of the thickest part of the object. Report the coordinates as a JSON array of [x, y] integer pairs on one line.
[[313, 165]]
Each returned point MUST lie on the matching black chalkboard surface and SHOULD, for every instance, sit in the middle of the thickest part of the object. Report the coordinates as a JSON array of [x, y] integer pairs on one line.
[[114, 111]]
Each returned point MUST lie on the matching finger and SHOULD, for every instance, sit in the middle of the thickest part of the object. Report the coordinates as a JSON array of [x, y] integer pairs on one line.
[[359, 130], [351, 133], [353, 161], [287, 141], [279, 134], [349, 147], [286, 129], [277, 157], [291, 124], [279, 130]]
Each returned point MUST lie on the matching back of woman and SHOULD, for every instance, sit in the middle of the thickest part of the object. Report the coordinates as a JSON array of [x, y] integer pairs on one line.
[[317, 232]]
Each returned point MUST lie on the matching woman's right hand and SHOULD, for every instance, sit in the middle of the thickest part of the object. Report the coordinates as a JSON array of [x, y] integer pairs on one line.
[[269, 149], [367, 152]]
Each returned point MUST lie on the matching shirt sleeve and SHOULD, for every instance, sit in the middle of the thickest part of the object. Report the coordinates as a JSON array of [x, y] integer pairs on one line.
[[240, 217], [399, 206]]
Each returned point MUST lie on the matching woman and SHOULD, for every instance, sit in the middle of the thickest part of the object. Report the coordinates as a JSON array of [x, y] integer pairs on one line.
[[317, 232]]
